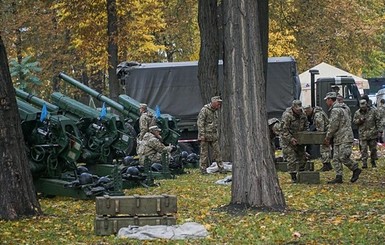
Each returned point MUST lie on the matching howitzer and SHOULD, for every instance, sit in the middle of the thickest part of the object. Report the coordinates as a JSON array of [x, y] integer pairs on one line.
[[53, 147], [104, 137], [129, 108], [30, 98]]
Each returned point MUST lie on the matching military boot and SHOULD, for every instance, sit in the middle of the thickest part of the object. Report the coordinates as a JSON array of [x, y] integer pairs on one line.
[[364, 164], [373, 163], [293, 177], [337, 180], [356, 175], [326, 167]]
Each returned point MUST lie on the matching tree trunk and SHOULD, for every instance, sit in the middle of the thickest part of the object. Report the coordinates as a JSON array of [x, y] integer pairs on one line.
[[18, 197], [112, 33], [255, 182], [209, 51]]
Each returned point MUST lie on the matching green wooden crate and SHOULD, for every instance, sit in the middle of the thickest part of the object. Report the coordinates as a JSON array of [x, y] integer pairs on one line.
[[308, 177], [136, 205], [281, 166], [105, 226], [310, 138]]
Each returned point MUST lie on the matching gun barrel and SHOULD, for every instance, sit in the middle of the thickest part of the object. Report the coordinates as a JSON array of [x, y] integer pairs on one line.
[[93, 93], [30, 98]]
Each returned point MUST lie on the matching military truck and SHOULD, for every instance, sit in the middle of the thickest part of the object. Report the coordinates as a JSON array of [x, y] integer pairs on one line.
[[174, 87]]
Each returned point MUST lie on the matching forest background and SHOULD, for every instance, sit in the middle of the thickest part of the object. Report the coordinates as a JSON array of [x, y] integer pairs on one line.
[[45, 37]]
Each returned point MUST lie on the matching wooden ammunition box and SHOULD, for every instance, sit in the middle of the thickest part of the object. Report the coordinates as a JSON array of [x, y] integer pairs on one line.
[[281, 166], [136, 205], [308, 177], [111, 225], [310, 138]]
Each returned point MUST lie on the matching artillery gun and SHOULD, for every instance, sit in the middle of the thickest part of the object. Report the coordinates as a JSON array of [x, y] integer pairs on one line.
[[129, 108], [53, 146]]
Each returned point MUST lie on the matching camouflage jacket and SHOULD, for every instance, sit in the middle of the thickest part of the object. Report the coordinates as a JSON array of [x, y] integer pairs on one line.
[[381, 114], [152, 148], [208, 123], [320, 119], [146, 120], [292, 123], [275, 130], [340, 127], [368, 122]]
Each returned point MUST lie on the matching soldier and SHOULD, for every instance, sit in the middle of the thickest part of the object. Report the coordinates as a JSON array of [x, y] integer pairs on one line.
[[369, 127], [340, 99], [319, 122], [152, 146], [381, 113], [294, 120], [340, 130], [274, 129], [208, 135], [146, 120]]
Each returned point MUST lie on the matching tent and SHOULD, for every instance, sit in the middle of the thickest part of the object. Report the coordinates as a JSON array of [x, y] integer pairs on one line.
[[326, 70]]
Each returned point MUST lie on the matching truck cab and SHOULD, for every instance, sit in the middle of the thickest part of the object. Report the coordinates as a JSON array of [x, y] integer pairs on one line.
[[343, 85]]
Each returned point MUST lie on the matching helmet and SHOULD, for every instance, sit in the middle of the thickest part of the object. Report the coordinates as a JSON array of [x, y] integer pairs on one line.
[[81, 169], [184, 154], [85, 178], [128, 160], [192, 157], [156, 167], [140, 168], [271, 121], [103, 180], [133, 171]]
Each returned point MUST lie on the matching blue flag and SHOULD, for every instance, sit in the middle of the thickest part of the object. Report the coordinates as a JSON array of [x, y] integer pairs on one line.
[[44, 113], [157, 111], [103, 112]]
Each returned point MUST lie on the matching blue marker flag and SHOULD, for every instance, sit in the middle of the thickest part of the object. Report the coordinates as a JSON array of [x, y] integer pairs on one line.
[[44, 113], [103, 112], [157, 111]]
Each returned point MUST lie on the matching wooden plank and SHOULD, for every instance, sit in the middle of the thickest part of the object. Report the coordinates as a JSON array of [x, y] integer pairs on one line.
[[105, 226], [136, 205]]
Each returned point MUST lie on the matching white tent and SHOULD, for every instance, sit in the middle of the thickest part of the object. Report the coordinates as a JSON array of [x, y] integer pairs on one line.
[[326, 70]]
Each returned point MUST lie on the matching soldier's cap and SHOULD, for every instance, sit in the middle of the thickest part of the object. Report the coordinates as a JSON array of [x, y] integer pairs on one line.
[[142, 105], [363, 103], [330, 95], [271, 121], [307, 107], [297, 104], [216, 98], [154, 128]]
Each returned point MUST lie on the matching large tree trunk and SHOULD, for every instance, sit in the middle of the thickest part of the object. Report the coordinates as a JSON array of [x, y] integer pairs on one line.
[[112, 33], [18, 197], [255, 182], [209, 51]]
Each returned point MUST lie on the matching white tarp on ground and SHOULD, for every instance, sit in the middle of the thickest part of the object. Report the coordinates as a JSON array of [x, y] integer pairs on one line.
[[188, 230], [326, 70]]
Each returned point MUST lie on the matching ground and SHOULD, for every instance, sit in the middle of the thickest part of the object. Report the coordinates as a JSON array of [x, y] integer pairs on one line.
[[316, 214]]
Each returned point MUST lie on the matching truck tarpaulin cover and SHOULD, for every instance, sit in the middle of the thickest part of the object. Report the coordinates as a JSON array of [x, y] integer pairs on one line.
[[174, 86]]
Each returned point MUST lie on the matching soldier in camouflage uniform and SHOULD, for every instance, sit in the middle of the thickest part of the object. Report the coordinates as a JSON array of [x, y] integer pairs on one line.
[[320, 122], [208, 135], [340, 130], [146, 120], [275, 130], [293, 121], [152, 146], [369, 126], [381, 113]]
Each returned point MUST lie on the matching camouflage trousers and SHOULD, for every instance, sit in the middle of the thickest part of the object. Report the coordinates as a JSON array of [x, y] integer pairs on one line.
[[325, 153], [372, 144], [295, 156], [209, 152], [341, 155]]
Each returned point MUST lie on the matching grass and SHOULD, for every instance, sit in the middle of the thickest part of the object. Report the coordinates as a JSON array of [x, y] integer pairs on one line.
[[316, 214]]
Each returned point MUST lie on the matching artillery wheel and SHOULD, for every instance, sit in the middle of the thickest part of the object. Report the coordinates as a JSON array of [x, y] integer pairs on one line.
[[92, 144], [37, 153]]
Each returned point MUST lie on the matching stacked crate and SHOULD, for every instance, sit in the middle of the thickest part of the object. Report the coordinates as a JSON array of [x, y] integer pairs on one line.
[[115, 212]]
